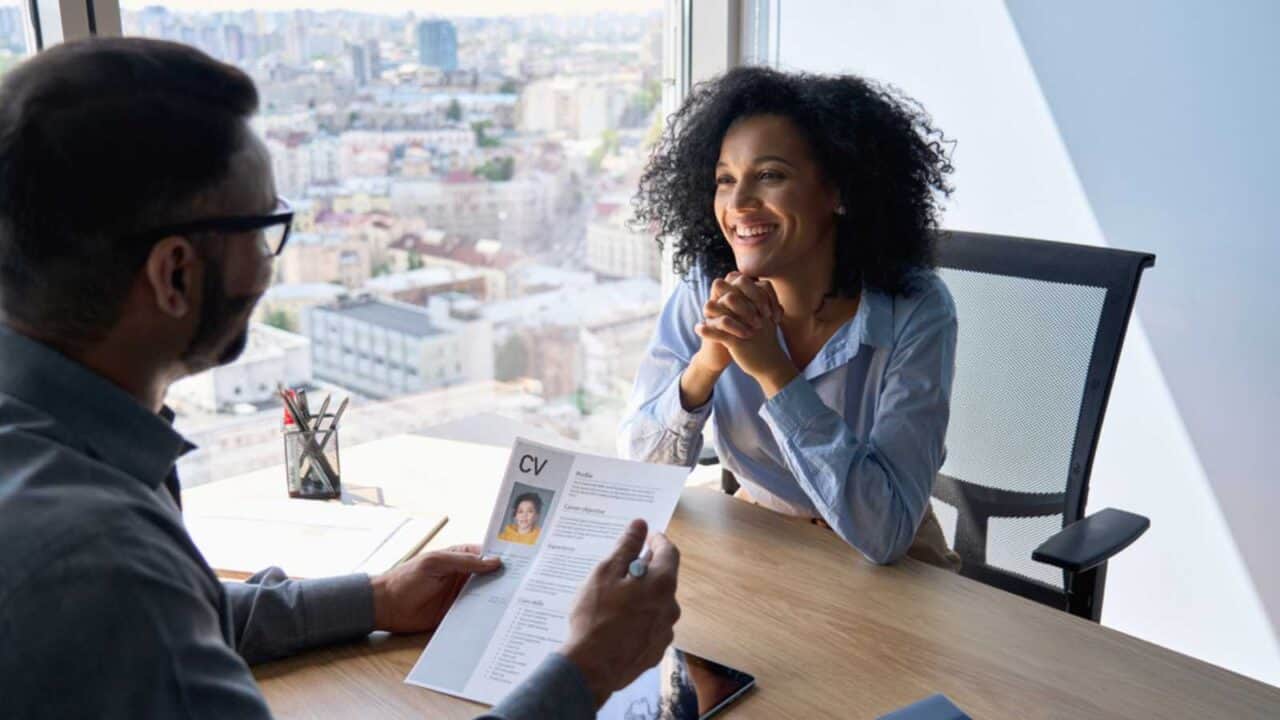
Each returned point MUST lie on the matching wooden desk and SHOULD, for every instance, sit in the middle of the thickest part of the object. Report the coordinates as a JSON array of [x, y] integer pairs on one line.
[[825, 633]]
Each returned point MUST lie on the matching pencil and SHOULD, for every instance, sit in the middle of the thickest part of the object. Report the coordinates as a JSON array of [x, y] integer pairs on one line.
[[417, 548]]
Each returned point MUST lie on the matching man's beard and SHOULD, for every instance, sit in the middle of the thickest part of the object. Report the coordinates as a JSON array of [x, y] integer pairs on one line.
[[218, 313]]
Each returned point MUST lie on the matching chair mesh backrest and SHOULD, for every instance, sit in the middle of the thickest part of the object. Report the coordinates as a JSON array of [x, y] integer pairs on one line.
[[1022, 361]]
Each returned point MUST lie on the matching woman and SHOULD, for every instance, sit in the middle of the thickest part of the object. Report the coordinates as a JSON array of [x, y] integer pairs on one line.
[[809, 326], [524, 527]]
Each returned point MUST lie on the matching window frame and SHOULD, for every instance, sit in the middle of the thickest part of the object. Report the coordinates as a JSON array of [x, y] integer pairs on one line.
[[50, 22]]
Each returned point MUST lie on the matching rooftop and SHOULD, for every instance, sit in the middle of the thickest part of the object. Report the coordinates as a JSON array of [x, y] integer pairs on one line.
[[265, 341], [303, 238], [589, 305], [421, 278], [478, 253], [352, 186], [400, 317], [548, 276], [305, 291]]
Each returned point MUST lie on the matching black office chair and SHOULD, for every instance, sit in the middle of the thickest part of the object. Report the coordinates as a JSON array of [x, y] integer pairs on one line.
[[1041, 326]]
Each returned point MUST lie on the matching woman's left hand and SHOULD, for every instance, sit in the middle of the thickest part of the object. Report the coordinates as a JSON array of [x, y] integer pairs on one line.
[[760, 355]]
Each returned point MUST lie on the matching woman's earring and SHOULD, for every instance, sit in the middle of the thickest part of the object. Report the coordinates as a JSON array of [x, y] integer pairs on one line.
[[840, 210]]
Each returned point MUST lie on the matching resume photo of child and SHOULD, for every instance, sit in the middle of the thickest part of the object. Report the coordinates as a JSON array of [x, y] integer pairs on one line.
[[526, 513]]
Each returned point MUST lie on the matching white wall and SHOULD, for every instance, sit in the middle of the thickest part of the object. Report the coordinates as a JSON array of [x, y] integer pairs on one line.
[[1184, 585], [1170, 122]]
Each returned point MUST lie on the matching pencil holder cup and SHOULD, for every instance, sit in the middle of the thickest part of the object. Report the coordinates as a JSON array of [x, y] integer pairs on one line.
[[312, 463]]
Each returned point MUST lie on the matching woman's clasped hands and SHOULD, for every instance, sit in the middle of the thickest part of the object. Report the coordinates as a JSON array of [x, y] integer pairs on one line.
[[741, 326]]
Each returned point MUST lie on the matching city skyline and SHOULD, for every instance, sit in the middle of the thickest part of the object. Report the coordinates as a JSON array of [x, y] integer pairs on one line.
[[461, 187], [442, 8]]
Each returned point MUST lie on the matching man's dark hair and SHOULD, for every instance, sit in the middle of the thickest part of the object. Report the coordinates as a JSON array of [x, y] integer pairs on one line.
[[527, 497], [877, 147], [100, 140]]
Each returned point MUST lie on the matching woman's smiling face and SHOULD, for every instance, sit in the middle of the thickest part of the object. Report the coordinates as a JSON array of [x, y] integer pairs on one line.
[[773, 205]]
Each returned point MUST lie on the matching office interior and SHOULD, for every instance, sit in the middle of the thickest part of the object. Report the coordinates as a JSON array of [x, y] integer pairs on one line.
[[500, 223]]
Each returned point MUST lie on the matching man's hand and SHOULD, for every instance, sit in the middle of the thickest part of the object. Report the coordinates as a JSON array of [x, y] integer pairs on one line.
[[621, 625], [414, 597]]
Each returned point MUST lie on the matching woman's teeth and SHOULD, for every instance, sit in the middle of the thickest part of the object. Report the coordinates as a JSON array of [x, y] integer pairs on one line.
[[753, 231]]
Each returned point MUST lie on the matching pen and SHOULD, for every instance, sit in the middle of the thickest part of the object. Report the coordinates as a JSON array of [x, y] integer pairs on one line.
[[324, 406], [333, 425], [640, 565], [417, 548]]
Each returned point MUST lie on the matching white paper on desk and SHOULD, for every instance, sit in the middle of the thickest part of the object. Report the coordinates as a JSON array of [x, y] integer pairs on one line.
[[303, 537], [503, 625]]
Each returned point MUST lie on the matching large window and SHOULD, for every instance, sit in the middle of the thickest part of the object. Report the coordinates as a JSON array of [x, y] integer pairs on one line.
[[13, 34], [462, 185]]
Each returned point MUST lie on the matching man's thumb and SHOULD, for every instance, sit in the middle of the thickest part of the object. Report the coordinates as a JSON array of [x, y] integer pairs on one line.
[[461, 562], [629, 546]]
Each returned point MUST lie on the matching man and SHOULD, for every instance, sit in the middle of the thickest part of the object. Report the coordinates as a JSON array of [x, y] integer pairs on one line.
[[138, 221]]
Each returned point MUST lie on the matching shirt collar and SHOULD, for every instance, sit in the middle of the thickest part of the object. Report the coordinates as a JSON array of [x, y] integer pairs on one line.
[[98, 414], [872, 325], [876, 314]]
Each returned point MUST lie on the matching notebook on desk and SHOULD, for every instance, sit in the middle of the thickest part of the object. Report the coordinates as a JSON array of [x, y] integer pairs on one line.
[[306, 538]]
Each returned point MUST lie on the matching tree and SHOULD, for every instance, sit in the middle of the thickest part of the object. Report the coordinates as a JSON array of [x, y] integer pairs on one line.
[[415, 260], [647, 98], [500, 169], [482, 137], [608, 144], [582, 400], [654, 133], [596, 160], [454, 112], [511, 360], [380, 269], [279, 319]]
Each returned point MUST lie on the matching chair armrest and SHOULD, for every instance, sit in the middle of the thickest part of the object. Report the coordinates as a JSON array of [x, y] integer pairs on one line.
[[1092, 541], [708, 456]]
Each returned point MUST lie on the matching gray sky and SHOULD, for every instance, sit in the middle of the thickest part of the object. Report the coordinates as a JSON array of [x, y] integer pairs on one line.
[[469, 8]]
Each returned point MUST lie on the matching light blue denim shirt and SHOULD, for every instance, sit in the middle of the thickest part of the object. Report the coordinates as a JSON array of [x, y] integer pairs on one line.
[[856, 439]]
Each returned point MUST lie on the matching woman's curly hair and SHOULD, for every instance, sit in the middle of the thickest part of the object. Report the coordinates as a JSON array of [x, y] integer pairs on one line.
[[878, 147]]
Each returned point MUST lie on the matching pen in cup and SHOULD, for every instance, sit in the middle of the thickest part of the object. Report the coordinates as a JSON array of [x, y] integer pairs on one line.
[[328, 433], [328, 476]]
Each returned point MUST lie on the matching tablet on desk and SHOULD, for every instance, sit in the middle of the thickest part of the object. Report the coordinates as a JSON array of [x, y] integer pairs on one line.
[[683, 686]]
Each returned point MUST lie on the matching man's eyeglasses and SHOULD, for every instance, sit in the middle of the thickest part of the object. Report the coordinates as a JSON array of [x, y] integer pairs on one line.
[[274, 225]]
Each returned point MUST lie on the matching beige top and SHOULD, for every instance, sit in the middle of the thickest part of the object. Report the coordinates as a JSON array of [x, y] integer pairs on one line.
[[930, 545]]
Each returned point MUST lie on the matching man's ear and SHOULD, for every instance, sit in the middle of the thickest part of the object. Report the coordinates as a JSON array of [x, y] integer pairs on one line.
[[172, 269]]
